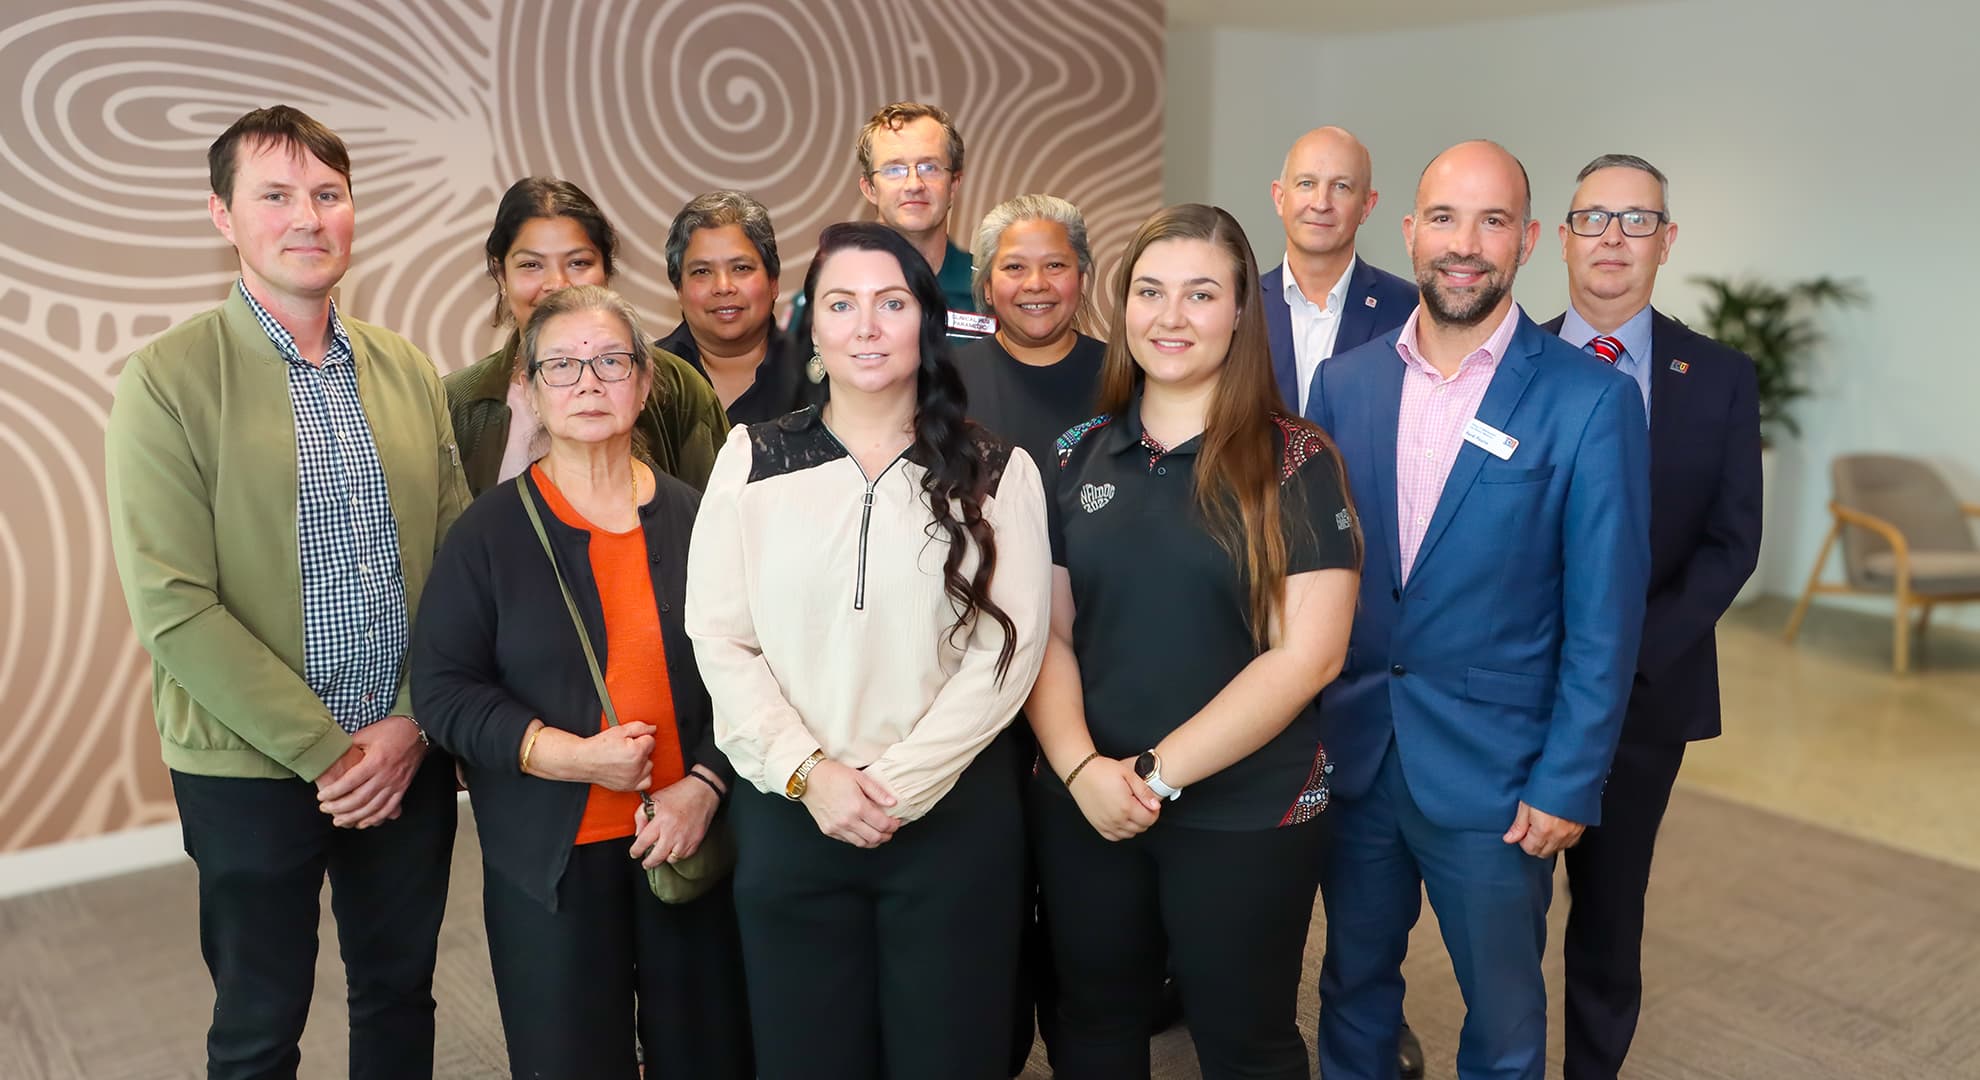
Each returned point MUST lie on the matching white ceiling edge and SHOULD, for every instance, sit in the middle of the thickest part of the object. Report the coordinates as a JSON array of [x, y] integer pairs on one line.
[[1362, 16]]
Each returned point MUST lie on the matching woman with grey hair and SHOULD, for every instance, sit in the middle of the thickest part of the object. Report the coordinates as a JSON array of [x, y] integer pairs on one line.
[[577, 792], [1037, 375], [1030, 381], [722, 260]]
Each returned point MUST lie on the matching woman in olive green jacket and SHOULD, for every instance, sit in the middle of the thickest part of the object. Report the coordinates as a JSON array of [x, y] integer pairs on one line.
[[549, 234]]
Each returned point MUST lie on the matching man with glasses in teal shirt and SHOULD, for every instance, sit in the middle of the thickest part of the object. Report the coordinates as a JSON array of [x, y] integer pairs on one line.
[[911, 169]]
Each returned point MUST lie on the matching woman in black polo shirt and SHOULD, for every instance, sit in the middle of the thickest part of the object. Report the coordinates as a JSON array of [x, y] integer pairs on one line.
[[1206, 561]]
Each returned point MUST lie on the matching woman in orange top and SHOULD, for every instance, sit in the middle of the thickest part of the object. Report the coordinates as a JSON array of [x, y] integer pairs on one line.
[[587, 963]]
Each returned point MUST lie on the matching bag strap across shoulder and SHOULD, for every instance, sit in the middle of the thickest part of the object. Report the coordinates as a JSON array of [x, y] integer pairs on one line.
[[577, 620]]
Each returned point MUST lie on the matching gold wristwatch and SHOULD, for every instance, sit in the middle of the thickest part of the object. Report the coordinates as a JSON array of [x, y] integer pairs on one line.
[[801, 779]]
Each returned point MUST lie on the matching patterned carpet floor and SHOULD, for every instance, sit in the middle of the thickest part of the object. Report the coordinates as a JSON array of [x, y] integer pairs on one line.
[[1774, 950]]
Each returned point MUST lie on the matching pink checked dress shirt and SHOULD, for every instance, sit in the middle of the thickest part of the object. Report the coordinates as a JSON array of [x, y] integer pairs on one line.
[[1430, 430]]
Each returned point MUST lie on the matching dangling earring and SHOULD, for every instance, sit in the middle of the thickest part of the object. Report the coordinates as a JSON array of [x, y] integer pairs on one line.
[[814, 368]]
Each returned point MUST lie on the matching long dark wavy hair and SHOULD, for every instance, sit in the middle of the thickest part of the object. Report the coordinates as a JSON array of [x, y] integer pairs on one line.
[[1238, 480], [951, 447]]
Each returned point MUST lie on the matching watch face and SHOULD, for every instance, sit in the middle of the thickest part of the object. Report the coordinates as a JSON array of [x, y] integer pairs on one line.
[[1144, 766]]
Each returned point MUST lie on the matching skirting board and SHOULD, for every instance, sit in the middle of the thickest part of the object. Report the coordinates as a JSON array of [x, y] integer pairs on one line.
[[70, 862], [51, 866]]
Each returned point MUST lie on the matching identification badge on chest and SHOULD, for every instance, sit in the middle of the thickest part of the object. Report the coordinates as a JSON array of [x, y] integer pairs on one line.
[[963, 322], [1489, 439]]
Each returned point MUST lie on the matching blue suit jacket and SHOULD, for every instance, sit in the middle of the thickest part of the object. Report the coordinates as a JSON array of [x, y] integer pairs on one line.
[[1704, 525], [1503, 667], [1361, 321]]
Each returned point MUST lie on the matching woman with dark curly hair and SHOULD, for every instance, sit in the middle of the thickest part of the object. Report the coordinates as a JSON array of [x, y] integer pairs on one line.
[[867, 594]]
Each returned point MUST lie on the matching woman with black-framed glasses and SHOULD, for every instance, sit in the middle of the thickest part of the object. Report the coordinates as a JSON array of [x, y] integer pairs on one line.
[[587, 963]]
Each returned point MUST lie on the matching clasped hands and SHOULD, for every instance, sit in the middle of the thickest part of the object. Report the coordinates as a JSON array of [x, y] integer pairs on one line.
[[364, 787], [850, 805], [1117, 803]]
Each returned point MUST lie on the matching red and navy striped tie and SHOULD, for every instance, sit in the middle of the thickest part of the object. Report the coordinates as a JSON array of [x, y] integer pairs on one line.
[[1610, 349]]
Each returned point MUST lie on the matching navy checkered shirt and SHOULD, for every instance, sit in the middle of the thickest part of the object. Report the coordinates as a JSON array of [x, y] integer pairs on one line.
[[353, 589]]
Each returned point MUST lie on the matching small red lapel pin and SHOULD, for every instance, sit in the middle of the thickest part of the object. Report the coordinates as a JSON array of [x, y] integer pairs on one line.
[[1369, 300]]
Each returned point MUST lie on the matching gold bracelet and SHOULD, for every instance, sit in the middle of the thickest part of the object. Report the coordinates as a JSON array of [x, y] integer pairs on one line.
[[528, 745], [1073, 775]]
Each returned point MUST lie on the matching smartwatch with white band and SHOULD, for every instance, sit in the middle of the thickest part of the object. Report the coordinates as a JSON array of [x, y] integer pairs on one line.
[[1149, 767]]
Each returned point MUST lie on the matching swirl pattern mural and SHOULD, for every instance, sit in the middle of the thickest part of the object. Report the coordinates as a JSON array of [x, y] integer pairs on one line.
[[645, 103]]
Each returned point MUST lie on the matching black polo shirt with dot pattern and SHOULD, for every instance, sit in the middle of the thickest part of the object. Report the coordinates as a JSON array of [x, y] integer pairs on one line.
[[1161, 620]]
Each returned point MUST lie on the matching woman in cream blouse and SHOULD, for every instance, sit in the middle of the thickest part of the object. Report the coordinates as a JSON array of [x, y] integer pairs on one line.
[[868, 594]]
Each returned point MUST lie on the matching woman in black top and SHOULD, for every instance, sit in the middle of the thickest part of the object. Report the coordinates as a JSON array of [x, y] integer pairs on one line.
[[587, 963], [1206, 561], [722, 260], [1037, 375]]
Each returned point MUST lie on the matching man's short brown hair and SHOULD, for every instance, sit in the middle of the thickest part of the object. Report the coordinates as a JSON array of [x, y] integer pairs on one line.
[[280, 125], [900, 114]]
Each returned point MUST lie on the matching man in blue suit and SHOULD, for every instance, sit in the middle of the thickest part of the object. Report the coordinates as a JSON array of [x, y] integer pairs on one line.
[[1503, 483], [1703, 402], [1324, 300]]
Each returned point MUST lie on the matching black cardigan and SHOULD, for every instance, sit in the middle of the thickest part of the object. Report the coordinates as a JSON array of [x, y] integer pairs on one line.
[[495, 648]]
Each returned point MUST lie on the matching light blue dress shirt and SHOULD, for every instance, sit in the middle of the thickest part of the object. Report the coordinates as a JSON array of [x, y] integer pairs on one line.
[[1635, 336]]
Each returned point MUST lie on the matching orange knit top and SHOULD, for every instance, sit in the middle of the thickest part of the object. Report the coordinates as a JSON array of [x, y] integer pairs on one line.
[[635, 662]]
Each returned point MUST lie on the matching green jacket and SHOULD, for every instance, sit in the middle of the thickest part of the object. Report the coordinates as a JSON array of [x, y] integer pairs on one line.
[[201, 462], [679, 431]]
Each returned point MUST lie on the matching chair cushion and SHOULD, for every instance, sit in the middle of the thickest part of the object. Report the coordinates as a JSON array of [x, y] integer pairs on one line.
[[1945, 572]]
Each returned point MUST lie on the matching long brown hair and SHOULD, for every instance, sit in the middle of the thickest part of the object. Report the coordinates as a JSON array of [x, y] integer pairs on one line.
[[1238, 470]]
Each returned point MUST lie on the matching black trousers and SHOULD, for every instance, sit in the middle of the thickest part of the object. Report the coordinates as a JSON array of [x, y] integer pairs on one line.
[[1233, 909], [894, 963], [262, 849], [1035, 1008], [1608, 874], [577, 986]]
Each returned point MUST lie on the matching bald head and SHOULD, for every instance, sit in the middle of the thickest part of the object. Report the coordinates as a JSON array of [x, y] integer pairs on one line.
[[1333, 144], [1470, 232], [1323, 194], [1475, 164]]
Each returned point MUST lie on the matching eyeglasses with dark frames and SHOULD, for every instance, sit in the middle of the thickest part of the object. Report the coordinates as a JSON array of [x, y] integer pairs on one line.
[[609, 367], [1635, 223]]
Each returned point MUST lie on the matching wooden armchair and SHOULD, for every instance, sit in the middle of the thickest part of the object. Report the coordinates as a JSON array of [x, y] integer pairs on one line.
[[1904, 535]]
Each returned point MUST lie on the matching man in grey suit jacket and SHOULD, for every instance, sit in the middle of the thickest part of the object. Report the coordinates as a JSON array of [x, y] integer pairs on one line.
[[1323, 300]]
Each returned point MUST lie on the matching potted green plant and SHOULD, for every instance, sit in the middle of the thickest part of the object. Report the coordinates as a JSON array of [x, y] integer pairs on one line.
[[1775, 325]]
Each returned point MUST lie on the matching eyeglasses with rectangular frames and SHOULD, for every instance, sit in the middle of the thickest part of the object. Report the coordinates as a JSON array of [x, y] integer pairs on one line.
[[567, 370], [1635, 223], [897, 172]]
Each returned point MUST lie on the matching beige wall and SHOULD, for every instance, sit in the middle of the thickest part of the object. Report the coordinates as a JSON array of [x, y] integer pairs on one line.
[[643, 103]]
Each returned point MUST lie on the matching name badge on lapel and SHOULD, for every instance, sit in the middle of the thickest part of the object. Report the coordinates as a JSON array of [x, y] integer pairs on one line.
[[1490, 439]]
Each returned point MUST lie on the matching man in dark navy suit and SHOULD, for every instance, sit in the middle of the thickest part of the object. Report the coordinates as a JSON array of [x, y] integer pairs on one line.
[[1702, 401], [1323, 300]]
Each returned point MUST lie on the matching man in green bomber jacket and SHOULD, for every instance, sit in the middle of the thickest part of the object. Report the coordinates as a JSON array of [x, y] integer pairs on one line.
[[279, 478]]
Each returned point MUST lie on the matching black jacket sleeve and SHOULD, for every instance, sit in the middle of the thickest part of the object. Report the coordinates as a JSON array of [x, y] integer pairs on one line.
[[456, 680]]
